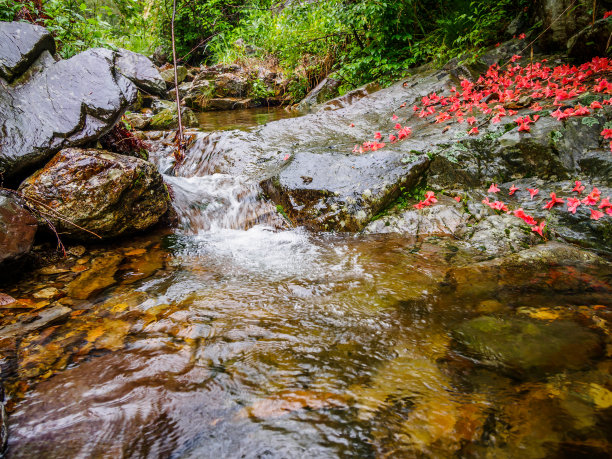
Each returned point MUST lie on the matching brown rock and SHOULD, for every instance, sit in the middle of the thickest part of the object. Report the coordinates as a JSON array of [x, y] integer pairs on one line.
[[103, 193]]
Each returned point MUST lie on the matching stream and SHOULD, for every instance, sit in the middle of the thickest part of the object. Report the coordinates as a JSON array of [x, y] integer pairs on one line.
[[236, 336]]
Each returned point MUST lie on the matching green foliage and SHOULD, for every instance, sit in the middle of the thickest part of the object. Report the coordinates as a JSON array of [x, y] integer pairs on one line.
[[81, 24], [259, 90]]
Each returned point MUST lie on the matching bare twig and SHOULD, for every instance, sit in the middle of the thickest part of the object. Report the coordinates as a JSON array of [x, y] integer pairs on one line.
[[178, 155]]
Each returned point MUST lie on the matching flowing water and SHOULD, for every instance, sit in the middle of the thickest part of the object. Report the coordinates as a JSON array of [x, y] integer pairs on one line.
[[235, 336]]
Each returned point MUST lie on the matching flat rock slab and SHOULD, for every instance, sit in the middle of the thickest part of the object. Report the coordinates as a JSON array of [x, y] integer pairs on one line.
[[40, 320], [22, 43], [342, 192]]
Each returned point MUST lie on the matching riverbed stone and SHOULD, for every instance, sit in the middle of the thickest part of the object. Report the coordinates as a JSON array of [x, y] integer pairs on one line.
[[105, 193], [62, 109], [502, 234], [35, 321], [231, 85], [342, 192], [523, 347], [17, 228]]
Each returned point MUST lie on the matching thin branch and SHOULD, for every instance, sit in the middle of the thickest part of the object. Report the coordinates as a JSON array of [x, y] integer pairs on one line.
[[178, 155]]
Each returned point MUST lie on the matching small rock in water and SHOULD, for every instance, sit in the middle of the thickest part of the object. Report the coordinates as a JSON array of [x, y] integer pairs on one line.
[[46, 293], [6, 299]]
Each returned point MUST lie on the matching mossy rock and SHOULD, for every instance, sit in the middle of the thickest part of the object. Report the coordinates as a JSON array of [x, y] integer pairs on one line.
[[523, 347]]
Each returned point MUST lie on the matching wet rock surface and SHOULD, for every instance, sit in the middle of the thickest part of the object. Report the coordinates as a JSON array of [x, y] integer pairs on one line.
[[49, 105], [444, 219], [17, 228], [524, 271], [340, 192], [105, 193], [140, 71], [22, 44], [33, 136], [528, 347]]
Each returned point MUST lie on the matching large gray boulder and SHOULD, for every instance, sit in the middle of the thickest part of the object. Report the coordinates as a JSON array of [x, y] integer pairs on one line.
[[17, 228], [140, 70], [105, 193], [47, 105], [21, 45]]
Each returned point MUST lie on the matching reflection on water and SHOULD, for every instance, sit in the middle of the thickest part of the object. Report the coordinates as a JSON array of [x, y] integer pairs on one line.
[[233, 336], [241, 119]]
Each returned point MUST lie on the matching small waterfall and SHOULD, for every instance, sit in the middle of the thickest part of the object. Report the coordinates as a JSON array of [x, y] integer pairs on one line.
[[206, 200], [219, 201]]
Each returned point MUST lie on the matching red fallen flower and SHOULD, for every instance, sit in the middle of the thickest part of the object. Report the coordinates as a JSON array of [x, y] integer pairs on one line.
[[286, 158], [538, 229], [457, 198], [607, 133], [596, 215], [378, 136], [403, 133], [554, 200], [605, 202], [513, 189], [415, 108], [521, 36], [394, 117], [524, 127], [443, 117], [559, 115], [496, 119], [533, 191], [356, 149], [572, 204], [403, 105], [592, 198], [578, 186], [420, 205], [579, 110], [497, 45], [535, 118], [392, 138], [398, 126], [607, 14], [430, 197], [523, 216], [352, 125], [493, 188], [515, 58], [377, 146], [499, 205], [596, 104], [473, 131], [471, 120], [536, 107]]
